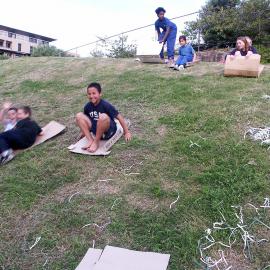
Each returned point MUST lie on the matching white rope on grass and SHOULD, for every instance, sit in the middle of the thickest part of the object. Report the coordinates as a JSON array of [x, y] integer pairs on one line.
[[241, 228], [174, 202], [36, 242], [74, 194], [115, 202], [192, 144]]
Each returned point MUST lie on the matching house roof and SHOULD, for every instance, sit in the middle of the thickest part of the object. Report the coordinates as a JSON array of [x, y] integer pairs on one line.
[[21, 32]]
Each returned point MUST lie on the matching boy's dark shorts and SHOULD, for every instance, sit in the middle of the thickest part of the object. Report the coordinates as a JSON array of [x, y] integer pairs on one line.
[[110, 132]]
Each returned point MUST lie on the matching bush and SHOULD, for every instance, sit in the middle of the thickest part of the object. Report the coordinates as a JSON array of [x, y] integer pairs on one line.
[[264, 52], [46, 50], [3, 57]]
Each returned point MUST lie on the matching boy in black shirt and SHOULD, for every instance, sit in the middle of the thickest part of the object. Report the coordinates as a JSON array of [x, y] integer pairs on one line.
[[98, 118], [22, 136]]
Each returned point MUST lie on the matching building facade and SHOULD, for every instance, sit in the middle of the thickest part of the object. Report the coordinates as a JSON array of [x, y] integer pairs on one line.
[[15, 42]]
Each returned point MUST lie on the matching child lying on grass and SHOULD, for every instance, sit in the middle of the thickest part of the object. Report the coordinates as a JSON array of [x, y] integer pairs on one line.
[[98, 118], [8, 116], [22, 136]]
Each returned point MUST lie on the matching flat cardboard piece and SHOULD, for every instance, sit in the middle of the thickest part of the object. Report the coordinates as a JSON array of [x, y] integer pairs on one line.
[[49, 131], [151, 55], [52, 129], [114, 258], [243, 66], [153, 48], [89, 260], [104, 145]]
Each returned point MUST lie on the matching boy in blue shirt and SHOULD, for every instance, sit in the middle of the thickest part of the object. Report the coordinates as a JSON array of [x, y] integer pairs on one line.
[[98, 117], [168, 34], [186, 54]]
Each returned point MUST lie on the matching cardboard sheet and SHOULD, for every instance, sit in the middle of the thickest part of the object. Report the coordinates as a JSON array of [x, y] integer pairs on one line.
[[243, 66], [114, 258], [89, 260], [150, 55], [52, 129], [104, 146], [49, 131]]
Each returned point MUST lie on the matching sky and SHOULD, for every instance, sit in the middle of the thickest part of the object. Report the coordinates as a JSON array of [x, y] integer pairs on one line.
[[77, 22]]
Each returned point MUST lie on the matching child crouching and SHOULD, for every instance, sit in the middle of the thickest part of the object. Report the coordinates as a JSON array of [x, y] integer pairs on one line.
[[98, 118]]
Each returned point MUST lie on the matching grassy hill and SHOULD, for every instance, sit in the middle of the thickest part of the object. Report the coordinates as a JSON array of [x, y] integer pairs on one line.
[[168, 111]]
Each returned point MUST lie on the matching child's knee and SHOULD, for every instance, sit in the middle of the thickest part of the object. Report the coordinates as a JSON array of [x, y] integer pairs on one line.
[[103, 117], [79, 116]]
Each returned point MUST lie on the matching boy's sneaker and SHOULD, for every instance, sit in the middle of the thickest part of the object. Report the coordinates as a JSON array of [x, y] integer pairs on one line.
[[181, 67], [6, 156], [176, 67]]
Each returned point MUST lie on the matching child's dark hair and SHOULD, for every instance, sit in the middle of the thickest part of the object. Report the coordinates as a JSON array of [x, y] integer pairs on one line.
[[160, 9], [12, 109], [183, 37], [95, 85], [26, 110]]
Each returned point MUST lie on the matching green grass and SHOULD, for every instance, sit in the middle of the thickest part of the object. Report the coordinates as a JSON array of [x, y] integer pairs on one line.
[[167, 110]]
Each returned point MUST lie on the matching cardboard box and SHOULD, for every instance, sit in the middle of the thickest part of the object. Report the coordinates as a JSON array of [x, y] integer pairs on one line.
[[114, 258], [245, 66]]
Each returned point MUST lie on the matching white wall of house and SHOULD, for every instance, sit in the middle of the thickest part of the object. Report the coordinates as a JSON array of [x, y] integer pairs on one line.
[[18, 43]]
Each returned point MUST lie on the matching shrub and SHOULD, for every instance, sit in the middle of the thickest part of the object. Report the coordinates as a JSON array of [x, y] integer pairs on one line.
[[264, 52], [3, 57]]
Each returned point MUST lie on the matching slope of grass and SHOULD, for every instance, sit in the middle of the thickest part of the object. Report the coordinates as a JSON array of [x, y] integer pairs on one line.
[[134, 186]]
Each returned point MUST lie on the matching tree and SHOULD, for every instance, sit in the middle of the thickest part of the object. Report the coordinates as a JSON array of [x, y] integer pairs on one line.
[[121, 49], [220, 22]]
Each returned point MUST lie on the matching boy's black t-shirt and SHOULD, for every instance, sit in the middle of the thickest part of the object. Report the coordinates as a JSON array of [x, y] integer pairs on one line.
[[28, 130], [93, 112]]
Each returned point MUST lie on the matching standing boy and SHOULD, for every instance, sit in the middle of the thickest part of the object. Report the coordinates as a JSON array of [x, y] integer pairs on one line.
[[98, 118], [22, 136], [186, 54], [168, 34]]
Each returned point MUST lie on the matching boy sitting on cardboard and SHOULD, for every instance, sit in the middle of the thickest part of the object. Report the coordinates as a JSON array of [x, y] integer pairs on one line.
[[98, 118]]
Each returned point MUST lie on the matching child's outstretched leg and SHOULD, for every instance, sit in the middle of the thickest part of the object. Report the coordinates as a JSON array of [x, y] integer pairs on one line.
[[103, 125], [84, 124]]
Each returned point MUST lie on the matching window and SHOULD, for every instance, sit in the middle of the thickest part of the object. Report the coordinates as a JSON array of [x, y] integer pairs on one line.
[[19, 47], [8, 44], [31, 49], [1, 43], [33, 40], [11, 35]]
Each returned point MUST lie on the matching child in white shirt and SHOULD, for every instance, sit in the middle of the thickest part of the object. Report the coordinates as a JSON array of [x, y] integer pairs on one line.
[[8, 116]]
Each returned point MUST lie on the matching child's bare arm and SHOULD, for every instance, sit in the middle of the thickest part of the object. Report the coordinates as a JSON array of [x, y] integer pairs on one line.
[[122, 121], [166, 35], [4, 109], [194, 57]]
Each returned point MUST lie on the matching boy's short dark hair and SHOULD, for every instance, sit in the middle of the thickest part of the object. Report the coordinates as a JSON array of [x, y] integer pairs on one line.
[[26, 110], [183, 37], [12, 109], [160, 9], [95, 85]]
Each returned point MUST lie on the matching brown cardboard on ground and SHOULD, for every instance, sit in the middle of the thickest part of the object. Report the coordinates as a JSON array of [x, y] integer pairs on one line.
[[89, 260], [245, 66], [151, 55], [104, 146], [114, 258], [52, 129]]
